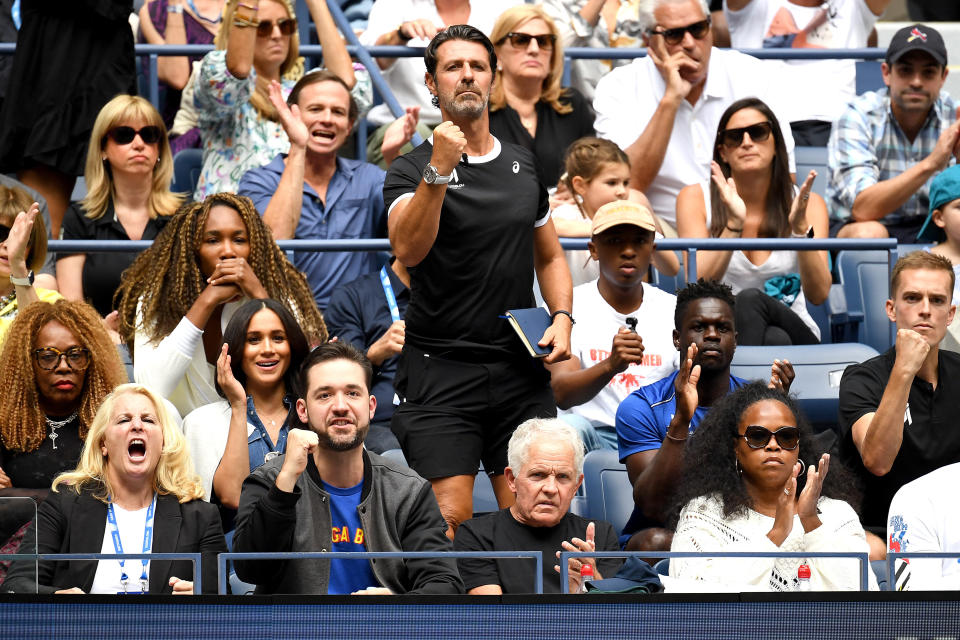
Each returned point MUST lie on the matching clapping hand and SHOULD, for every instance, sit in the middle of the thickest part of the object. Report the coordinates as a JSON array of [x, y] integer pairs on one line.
[[798, 210], [781, 375], [232, 388], [728, 193], [290, 120]]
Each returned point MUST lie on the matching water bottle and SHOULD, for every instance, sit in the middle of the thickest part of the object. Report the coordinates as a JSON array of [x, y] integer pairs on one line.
[[586, 573], [803, 577]]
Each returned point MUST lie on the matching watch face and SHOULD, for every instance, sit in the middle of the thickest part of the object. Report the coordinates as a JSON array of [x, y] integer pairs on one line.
[[429, 174]]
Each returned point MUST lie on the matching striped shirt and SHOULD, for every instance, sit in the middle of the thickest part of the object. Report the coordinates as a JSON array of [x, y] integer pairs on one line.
[[867, 146]]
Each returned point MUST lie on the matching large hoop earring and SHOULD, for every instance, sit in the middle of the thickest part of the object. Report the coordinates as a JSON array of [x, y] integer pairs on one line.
[[736, 465]]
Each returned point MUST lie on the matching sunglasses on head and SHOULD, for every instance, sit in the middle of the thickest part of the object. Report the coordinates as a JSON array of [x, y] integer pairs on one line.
[[675, 36], [757, 437], [48, 358], [286, 25], [522, 40], [734, 137], [125, 135]]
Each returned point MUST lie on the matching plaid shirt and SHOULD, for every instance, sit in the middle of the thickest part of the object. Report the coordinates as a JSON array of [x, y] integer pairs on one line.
[[867, 146]]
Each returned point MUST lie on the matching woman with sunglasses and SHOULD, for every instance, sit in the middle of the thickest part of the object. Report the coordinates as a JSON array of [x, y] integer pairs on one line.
[[128, 172], [528, 106], [58, 364], [751, 195], [258, 43], [755, 480], [23, 249]]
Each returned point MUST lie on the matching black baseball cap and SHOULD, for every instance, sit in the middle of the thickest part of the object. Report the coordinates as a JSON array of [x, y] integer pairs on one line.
[[917, 37]]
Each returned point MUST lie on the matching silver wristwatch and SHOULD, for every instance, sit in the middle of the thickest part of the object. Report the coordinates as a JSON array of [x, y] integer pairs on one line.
[[432, 176]]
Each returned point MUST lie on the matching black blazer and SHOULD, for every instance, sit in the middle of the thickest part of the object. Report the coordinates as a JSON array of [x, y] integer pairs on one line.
[[74, 523]]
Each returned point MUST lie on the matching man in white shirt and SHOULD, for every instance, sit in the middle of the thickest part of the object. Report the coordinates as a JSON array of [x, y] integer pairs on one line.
[[807, 24], [923, 518], [663, 110], [620, 341]]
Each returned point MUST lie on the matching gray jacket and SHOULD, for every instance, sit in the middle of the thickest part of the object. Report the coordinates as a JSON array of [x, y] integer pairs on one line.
[[398, 512]]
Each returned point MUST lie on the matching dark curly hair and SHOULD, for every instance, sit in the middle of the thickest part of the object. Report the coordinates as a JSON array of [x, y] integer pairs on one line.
[[697, 291], [165, 280], [709, 463]]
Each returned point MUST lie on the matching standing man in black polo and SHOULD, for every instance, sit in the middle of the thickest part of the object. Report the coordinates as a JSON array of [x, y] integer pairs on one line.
[[469, 213]]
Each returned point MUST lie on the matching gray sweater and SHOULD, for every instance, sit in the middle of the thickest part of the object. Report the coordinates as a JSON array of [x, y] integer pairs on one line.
[[398, 512]]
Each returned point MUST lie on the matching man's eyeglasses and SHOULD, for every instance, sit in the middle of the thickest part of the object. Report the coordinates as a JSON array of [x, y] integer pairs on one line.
[[286, 25], [48, 358], [125, 135], [734, 137], [757, 437], [522, 40], [675, 36]]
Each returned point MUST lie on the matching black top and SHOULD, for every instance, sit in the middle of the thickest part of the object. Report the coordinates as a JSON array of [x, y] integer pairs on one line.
[[930, 437], [555, 132], [36, 469], [481, 263], [358, 314], [102, 271], [499, 531]]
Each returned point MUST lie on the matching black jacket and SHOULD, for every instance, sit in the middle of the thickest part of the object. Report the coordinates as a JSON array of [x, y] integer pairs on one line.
[[74, 523]]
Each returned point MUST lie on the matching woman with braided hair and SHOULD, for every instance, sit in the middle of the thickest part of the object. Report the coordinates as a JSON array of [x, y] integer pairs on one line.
[[58, 364], [179, 295]]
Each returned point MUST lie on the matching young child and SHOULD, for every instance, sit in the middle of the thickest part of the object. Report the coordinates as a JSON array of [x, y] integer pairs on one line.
[[945, 215], [623, 337], [597, 172]]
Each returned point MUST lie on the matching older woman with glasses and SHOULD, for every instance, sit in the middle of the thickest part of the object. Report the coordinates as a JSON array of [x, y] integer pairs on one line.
[[58, 364], [751, 195], [755, 480], [528, 105], [128, 172]]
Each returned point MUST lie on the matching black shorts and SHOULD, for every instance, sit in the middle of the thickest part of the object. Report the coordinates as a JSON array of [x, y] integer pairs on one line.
[[456, 414]]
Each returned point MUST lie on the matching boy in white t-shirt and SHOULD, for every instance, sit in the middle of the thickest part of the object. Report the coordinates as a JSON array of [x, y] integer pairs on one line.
[[623, 336]]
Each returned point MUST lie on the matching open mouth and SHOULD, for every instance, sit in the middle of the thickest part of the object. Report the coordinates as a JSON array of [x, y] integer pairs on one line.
[[324, 135], [137, 449], [341, 422], [268, 364]]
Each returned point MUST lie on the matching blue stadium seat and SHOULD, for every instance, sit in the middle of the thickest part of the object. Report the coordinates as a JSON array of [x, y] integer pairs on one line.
[[670, 284], [186, 170], [609, 494], [865, 284], [812, 158], [818, 368], [869, 77]]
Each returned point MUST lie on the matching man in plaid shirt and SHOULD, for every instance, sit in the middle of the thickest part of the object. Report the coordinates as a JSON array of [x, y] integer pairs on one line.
[[889, 144]]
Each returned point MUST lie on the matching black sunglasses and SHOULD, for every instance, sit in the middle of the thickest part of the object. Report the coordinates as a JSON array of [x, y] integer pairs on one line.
[[124, 135], [734, 137], [757, 437], [286, 25], [522, 40], [48, 358], [675, 36], [4, 232]]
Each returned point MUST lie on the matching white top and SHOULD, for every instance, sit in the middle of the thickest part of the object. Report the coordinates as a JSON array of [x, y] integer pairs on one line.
[[923, 517], [583, 268], [742, 274], [835, 24], [177, 367], [592, 337], [702, 527], [130, 524], [206, 430], [405, 75], [627, 97]]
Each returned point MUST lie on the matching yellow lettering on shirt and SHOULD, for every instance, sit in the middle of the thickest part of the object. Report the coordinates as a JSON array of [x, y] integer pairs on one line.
[[358, 537]]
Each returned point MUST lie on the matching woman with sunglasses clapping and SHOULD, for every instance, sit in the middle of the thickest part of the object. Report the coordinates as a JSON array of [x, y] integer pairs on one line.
[[128, 173], [754, 480], [752, 195], [258, 43]]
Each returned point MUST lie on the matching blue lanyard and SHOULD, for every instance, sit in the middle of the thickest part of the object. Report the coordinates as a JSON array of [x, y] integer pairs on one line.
[[147, 544], [388, 292]]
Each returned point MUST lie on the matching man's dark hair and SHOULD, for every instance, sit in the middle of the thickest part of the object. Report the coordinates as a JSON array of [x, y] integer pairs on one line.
[[335, 351], [315, 77], [457, 32], [697, 291]]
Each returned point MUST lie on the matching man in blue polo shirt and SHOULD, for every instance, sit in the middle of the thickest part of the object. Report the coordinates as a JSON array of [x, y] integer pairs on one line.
[[654, 421], [313, 193]]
